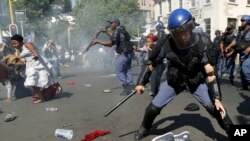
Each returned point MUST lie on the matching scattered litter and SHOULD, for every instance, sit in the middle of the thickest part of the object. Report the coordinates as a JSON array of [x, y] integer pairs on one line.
[[10, 117], [52, 109], [94, 134], [64, 133], [71, 83], [87, 85], [184, 136], [192, 107], [67, 125], [1, 111], [107, 90]]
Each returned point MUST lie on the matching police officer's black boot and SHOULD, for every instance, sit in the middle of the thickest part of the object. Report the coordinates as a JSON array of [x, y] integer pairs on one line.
[[125, 90], [150, 114]]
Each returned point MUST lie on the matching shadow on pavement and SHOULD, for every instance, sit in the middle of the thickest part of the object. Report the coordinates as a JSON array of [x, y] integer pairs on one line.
[[195, 120], [243, 107], [63, 95]]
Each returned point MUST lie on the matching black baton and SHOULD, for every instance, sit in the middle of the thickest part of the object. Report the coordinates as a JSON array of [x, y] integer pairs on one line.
[[120, 103]]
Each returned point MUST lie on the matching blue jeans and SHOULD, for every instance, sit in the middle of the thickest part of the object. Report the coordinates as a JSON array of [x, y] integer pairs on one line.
[[230, 65], [155, 79], [167, 93], [123, 71], [245, 69], [221, 66], [56, 66]]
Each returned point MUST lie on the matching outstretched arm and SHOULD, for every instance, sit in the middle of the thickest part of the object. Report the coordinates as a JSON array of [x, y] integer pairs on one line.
[[107, 43], [214, 89]]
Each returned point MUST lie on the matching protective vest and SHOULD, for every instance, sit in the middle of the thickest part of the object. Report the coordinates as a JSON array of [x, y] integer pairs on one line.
[[241, 42], [123, 45], [188, 69], [228, 39]]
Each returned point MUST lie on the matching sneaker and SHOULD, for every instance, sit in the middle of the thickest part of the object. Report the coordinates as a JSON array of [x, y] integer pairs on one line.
[[59, 77], [184, 136], [10, 117], [140, 133], [165, 137]]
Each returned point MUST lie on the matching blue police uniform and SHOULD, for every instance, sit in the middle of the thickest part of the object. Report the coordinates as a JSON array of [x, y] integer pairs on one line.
[[242, 42], [185, 69], [123, 61]]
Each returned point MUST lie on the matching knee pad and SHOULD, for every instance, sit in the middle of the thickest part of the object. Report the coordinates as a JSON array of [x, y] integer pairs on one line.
[[150, 114], [152, 109]]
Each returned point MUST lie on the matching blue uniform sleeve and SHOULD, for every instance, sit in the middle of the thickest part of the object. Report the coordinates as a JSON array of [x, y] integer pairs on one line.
[[247, 37]]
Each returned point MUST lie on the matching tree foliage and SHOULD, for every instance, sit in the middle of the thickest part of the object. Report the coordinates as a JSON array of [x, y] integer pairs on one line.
[[38, 13], [91, 15]]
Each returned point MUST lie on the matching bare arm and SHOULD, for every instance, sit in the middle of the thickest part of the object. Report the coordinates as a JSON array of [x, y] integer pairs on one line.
[[107, 43], [31, 48]]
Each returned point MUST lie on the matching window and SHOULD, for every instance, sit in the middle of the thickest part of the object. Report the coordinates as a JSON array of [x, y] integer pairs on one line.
[[180, 3], [160, 8], [232, 21], [193, 3], [143, 2], [169, 6], [208, 26], [207, 1], [233, 1]]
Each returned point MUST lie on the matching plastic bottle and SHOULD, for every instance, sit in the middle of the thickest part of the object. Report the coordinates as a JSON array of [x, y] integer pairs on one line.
[[52, 109]]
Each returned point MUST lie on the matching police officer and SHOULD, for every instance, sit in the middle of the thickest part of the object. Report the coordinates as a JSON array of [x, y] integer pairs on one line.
[[242, 46], [160, 29], [191, 61], [216, 45], [124, 49], [229, 57]]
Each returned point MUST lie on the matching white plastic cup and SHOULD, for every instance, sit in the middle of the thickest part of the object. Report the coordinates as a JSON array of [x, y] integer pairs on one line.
[[64, 133]]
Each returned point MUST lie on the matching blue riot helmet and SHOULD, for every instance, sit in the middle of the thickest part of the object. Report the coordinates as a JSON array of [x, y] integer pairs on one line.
[[159, 25], [180, 26], [246, 18]]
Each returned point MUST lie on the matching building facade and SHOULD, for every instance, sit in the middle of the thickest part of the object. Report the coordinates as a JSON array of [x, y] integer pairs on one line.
[[210, 14]]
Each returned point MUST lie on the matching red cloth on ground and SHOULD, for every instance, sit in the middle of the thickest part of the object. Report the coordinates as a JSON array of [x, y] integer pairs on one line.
[[94, 134], [71, 83]]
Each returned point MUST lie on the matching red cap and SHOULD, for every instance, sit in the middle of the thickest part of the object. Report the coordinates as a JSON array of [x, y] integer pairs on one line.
[[152, 36]]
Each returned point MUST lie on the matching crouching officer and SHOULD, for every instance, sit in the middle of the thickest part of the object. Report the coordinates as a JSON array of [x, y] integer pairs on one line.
[[124, 48], [190, 64]]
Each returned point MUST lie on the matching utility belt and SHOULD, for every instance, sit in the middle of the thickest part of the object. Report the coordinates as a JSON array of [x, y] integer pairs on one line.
[[124, 47]]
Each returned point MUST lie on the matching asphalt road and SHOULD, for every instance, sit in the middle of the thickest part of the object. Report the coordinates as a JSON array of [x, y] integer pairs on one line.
[[82, 106]]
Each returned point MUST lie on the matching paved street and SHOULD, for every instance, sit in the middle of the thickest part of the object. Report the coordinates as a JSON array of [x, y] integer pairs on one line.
[[83, 106]]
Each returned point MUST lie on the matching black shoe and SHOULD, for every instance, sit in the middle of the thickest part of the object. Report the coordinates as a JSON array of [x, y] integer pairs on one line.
[[141, 133], [245, 87], [123, 93], [232, 82]]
